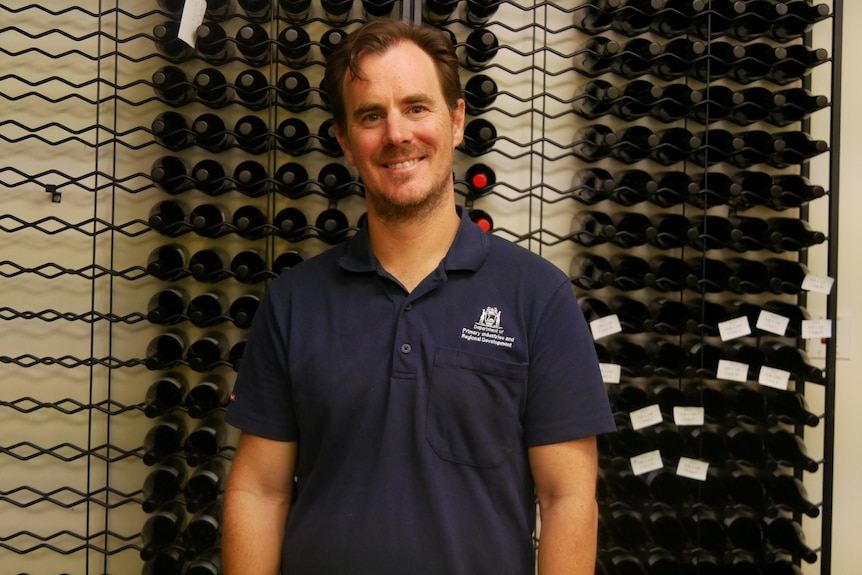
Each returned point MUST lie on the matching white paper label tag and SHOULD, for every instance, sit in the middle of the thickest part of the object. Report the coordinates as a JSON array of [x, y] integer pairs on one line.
[[820, 284], [645, 416], [604, 326], [646, 462], [193, 16], [683, 415], [610, 372], [771, 377], [816, 328], [734, 328], [732, 370], [772, 322], [692, 468]]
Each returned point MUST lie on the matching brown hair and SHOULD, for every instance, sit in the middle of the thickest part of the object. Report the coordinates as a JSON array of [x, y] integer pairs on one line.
[[378, 36]]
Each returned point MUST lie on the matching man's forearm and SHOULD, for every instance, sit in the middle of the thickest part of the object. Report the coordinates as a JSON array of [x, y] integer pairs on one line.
[[568, 537], [252, 533]]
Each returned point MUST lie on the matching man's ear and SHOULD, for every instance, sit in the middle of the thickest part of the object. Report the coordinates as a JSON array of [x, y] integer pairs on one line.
[[341, 136], [458, 123]]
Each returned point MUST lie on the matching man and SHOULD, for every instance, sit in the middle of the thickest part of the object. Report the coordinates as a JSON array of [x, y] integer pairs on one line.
[[422, 382]]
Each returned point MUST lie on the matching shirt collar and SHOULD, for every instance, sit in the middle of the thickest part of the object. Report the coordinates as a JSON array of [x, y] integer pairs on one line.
[[467, 252]]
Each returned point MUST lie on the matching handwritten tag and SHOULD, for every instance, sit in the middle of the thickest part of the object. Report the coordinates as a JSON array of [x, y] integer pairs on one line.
[[734, 328], [645, 416], [683, 415], [819, 284], [692, 468], [772, 377], [646, 462], [605, 326], [816, 328], [193, 16], [732, 370], [610, 372], [772, 322]]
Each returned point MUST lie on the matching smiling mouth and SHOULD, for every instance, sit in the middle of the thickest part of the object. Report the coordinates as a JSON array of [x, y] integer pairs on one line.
[[404, 164]]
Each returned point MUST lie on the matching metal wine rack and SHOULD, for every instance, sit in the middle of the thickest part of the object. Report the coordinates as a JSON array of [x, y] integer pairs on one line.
[[79, 146]]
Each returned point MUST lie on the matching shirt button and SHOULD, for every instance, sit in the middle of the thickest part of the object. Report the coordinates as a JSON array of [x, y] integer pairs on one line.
[[406, 348], [408, 307]]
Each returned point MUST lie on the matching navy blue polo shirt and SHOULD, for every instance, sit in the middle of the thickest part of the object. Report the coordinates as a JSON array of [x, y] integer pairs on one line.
[[414, 411]]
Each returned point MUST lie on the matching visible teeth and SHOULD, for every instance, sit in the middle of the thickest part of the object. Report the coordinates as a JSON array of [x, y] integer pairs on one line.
[[402, 164]]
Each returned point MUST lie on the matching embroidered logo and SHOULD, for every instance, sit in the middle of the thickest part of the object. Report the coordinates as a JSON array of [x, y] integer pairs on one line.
[[488, 329]]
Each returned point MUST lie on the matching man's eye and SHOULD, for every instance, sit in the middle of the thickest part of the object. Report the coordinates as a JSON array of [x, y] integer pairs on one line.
[[417, 109], [371, 118]]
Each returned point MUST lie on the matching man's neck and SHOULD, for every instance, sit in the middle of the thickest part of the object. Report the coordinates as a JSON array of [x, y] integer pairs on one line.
[[411, 249]]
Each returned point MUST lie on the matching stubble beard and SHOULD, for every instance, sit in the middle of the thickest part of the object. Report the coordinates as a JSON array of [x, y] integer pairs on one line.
[[392, 210]]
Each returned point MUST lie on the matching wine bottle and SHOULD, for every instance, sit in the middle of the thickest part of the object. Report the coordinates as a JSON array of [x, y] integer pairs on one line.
[[759, 61], [480, 92], [794, 313], [207, 563], [337, 11], [249, 266], [290, 223], [634, 19], [168, 44], [206, 353], [438, 12], [204, 485], [210, 133], [217, 9], [590, 271], [163, 484], [757, 19], [793, 191], [798, 20], [291, 180], [242, 310], [234, 356], [634, 361], [162, 529], [594, 17], [208, 265], [792, 234], [716, 104], [327, 139], [718, 61], [252, 88], [634, 101], [677, 57], [707, 442], [747, 276], [671, 231], [168, 217], [164, 395], [257, 10], [631, 229], [743, 527], [172, 7], [251, 134], [591, 228], [211, 43], [331, 39], [294, 45], [480, 180], [708, 275], [479, 12], [592, 185], [598, 54], [164, 439], [755, 189], [704, 357], [594, 142], [747, 404], [206, 309], [482, 219], [792, 359], [635, 144], [168, 263], [252, 41], [293, 136], [207, 220], [674, 145], [168, 561], [479, 137], [757, 104], [786, 276], [673, 188], [789, 494], [480, 48], [676, 103], [171, 85], [294, 91], [336, 180], [593, 308], [636, 58], [718, 146], [795, 148], [212, 88], [758, 146], [668, 274], [629, 272], [296, 11], [712, 233], [205, 441], [249, 222], [166, 307], [790, 407], [788, 449], [204, 529], [206, 397], [785, 533], [171, 130], [705, 526], [709, 314], [251, 179], [670, 360], [671, 317], [286, 261]]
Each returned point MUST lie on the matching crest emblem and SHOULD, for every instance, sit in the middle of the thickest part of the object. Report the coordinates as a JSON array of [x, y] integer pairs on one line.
[[490, 317]]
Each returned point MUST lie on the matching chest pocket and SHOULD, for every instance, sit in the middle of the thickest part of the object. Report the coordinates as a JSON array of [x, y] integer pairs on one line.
[[474, 407]]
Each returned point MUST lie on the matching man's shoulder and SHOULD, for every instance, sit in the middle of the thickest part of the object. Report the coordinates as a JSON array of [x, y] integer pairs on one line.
[[517, 259]]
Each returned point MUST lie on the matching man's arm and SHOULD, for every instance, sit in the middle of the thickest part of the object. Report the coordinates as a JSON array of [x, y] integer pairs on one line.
[[257, 498], [565, 476]]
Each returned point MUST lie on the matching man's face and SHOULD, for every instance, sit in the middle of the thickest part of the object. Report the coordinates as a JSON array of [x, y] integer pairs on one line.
[[399, 133]]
